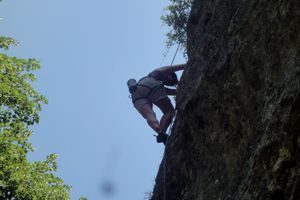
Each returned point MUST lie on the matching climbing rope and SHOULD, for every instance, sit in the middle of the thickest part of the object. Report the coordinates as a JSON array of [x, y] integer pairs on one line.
[[165, 157], [169, 133], [175, 54], [164, 56]]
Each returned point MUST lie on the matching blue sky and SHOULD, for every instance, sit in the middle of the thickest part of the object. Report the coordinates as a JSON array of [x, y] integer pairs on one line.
[[88, 50]]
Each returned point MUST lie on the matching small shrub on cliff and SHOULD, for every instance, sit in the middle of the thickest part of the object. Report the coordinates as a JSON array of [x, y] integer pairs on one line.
[[176, 16]]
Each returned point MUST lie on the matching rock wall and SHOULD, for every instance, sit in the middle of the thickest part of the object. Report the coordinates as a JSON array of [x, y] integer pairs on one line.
[[236, 133]]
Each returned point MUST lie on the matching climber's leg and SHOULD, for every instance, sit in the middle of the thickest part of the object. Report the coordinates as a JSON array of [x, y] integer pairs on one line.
[[168, 111], [148, 113]]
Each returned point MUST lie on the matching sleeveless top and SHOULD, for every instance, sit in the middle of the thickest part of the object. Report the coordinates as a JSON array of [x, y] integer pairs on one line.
[[158, 75]]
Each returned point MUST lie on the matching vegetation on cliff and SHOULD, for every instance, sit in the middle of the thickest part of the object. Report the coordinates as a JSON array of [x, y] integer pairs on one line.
[[176, 16]]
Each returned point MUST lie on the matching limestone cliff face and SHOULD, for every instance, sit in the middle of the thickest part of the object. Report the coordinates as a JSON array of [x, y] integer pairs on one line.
[[236, 133]]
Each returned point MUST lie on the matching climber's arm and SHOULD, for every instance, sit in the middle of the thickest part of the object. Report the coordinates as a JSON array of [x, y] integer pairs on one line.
[[170, 91], [170, 69]]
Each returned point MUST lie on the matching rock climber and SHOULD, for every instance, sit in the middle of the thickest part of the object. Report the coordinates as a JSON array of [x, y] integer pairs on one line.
[[151, 90]]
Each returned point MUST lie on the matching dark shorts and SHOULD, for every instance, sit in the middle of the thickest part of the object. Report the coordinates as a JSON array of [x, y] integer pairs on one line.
[[149, 91]]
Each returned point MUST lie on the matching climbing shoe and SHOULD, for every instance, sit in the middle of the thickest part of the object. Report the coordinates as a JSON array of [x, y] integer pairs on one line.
[[162, 138]]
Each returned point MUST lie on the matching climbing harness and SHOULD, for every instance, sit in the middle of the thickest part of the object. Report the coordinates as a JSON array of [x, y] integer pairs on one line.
[[152, 89], [169, 132], [133, 86]]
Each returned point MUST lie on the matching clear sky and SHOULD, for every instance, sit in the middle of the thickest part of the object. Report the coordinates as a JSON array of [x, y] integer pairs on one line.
[[88, 50]]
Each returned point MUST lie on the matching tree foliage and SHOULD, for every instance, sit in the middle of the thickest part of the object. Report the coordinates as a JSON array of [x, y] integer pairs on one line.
[[176, 17], [19, 108]]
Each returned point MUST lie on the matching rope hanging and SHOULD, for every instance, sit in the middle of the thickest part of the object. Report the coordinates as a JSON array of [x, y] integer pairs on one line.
[[169, 132]]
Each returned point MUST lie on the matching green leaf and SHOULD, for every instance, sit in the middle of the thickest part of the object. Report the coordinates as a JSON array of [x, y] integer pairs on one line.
[[5, 42], [176, 16]]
